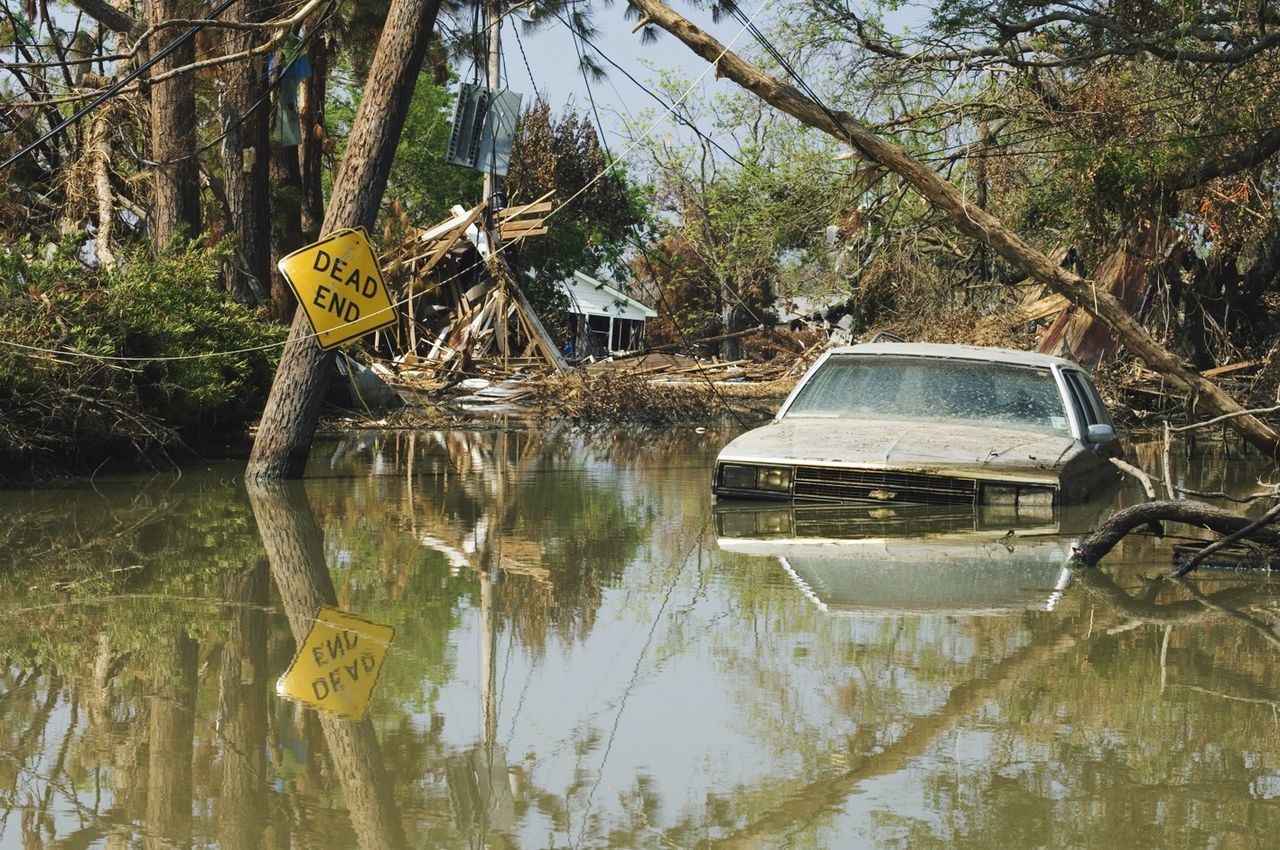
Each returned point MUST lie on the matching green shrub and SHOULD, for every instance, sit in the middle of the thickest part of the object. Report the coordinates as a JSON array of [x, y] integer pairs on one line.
[[60, 408]]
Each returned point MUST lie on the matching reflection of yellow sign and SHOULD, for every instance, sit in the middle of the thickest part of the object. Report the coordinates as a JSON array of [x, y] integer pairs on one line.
[[338, 664], [338, 284]]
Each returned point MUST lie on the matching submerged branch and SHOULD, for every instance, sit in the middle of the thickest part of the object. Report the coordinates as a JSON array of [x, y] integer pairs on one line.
[[1262, 521], [1199, 514], [1136, 473]]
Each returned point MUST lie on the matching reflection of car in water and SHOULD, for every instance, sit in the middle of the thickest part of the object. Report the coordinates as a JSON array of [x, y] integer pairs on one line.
[[939, 424], [921, 558]]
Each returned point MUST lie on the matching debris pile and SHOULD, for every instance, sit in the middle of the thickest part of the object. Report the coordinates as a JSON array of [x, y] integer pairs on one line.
[[463, 305]]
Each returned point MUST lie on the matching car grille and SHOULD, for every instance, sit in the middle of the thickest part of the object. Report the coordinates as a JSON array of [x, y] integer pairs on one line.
[[821, 482], [853, 521]]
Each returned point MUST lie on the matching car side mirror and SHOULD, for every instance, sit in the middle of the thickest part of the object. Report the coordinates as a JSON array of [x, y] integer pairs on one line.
[[1101, 434]]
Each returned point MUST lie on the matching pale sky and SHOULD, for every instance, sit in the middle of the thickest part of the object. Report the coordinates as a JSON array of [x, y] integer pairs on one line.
[[554, 62]]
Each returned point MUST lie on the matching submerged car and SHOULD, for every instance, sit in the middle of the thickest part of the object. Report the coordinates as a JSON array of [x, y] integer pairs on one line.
[[938, 424]]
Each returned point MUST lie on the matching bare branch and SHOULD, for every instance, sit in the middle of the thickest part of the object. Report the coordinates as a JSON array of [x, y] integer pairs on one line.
[[109, 16], [1136, 473], [1113, 530], [1257, 411], [1261, 522]]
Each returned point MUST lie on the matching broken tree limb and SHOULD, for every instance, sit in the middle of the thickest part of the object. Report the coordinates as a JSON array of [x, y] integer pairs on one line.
[[1136, 473], [1215, 519], [1261, 522], [1257, 411], [1218, 494], [109, 16], [968, 218], [100, 156]]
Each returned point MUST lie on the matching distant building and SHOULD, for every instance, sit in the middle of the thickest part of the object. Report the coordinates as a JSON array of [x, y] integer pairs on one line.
[[603, 319]]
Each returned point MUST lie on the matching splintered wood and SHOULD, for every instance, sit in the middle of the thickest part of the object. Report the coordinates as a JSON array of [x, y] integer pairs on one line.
[[463, 304]]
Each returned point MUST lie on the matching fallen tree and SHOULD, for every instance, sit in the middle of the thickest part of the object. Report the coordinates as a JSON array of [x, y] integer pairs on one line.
[[968, 218]]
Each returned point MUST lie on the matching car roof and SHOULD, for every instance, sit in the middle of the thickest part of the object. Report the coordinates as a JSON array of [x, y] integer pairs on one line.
[[955, 352]]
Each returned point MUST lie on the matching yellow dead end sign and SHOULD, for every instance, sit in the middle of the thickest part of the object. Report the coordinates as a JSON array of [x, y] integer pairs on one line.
[[339, 285], [338, 664]]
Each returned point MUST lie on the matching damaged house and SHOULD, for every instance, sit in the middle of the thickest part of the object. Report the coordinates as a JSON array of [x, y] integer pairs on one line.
[[602, 319]]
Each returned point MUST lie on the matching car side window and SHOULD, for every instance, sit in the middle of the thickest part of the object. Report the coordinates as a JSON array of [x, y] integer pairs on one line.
[[1082, 408], [1091, 393], [1085, 400]]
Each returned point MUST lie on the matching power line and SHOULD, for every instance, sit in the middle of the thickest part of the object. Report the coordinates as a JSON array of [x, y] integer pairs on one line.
[[515, 28], [586, 82], [479, 263], [118, 85], [662, 101]]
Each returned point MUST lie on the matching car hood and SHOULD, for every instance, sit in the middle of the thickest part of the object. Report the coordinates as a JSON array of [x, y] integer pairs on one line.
[[953, 449]]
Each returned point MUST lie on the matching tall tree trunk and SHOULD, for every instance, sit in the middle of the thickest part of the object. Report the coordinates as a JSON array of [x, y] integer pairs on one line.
[[245, 160], [311, 151], [176, 176], [286, 229], [968, 219], [731, 347], [293, 408]]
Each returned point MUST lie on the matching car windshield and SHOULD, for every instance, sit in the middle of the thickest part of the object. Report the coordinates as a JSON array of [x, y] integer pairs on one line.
[[933, 389]]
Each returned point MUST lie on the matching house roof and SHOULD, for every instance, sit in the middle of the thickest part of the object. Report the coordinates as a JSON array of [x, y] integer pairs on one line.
[[591, 297]]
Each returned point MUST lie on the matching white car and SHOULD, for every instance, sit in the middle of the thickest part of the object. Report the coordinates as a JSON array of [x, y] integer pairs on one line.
[[939, 424]]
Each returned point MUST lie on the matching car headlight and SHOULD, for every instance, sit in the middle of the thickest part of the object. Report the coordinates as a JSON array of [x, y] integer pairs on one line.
[[736, 476], [993, 494], [739, 476], [1035, 497], [775, 478]]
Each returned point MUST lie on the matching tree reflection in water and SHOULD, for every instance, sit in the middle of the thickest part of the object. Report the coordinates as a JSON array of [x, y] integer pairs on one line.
[[576, 664], [295, 551]]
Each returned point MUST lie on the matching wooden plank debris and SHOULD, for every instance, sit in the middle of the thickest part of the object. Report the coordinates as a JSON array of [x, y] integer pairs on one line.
[[473, 313], [1124, 274], [1232, 368], [527, 209]]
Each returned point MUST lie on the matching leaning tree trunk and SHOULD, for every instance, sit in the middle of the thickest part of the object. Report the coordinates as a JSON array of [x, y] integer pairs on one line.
[[175, 209], [245, 159], [968, 218], [293, 408]]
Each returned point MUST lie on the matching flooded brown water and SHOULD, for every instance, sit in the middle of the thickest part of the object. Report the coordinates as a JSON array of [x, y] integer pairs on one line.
[[589, 653]]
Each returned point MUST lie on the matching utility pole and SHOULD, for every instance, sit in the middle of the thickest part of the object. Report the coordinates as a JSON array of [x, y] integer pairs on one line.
[[493, 79], [289, 420]]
